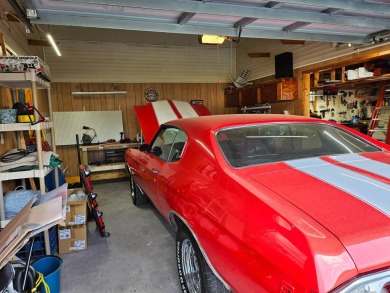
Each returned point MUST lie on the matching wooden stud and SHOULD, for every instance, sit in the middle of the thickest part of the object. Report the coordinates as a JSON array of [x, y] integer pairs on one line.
[[2, 44], [305, 95]]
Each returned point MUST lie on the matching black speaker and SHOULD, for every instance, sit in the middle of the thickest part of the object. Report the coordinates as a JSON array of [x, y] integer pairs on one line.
[[284, 65]]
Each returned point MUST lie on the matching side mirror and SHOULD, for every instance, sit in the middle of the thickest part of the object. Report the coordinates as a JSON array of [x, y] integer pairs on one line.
[[157, 151], [143, 147]]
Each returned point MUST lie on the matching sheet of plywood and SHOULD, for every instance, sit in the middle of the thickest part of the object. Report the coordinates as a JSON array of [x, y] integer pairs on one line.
[[107, 124]]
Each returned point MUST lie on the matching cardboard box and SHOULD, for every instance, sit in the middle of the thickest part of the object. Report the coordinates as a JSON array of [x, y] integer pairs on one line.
[[27, 223], [352, 74], [362, 72], [76, 213], [76, 210], [72, 238]]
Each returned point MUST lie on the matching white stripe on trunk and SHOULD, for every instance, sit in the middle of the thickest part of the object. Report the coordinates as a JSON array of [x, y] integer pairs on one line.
[[371, 191], [185, 109], [364, 163], [163, 112]]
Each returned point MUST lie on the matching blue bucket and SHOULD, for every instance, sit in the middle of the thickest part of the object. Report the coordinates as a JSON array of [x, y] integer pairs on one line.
[[50, 267]]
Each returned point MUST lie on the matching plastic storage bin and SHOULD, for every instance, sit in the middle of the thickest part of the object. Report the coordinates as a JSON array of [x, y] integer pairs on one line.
[[39, 245]]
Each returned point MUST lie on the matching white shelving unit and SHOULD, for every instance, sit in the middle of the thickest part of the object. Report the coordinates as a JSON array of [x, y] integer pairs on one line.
[[19, 81]]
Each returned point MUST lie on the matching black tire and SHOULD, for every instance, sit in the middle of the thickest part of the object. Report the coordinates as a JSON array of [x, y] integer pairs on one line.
[[195, 274], [137, 196]]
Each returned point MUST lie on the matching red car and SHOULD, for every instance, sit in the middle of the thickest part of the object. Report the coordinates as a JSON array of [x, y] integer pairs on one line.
[[269, 203]]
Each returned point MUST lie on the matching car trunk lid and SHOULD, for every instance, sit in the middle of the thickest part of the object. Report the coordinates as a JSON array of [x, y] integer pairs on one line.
[[348, 194]]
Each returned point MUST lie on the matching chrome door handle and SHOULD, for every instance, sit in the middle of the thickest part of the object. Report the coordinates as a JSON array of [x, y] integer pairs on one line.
[[155, 171]]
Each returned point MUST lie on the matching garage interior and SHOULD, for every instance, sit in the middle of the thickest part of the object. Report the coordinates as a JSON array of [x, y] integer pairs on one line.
[[324, 59]]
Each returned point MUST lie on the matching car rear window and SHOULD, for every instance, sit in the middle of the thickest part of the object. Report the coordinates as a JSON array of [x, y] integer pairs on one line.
[[268, 143]]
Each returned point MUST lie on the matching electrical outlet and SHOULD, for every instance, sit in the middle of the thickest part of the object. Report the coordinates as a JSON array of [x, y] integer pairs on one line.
[[27, 29]]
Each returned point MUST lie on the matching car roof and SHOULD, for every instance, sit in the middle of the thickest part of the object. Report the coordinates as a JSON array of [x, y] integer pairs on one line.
[[207, 123]]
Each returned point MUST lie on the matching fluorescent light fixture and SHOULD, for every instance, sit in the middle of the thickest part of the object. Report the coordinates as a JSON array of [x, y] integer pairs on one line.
[[100, 93], [212, 39], [54, 45]]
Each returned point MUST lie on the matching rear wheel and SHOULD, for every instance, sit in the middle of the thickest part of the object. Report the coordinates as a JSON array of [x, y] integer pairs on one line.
[[137, 197], [194, 273]]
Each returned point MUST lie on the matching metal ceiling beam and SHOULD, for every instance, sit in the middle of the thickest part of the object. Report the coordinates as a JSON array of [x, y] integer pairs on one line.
[[294, 26], [356, 5], [330, 10], [235, 9], [125, 23], [244, 22], [273, 4], [185, 17]]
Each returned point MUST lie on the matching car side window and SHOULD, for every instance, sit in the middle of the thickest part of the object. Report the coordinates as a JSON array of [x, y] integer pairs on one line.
[[169, 144]]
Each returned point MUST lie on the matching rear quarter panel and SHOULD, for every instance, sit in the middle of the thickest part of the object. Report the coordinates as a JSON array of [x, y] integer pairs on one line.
[[243, 229]]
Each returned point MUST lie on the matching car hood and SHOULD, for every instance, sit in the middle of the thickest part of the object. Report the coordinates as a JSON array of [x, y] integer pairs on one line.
[[348, 194], [152, 115]]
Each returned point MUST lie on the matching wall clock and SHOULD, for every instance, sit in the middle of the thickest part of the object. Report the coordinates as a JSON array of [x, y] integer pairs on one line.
[[151, 94]]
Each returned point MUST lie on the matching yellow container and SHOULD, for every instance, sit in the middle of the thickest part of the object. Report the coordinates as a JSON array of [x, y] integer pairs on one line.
[[25, 118]]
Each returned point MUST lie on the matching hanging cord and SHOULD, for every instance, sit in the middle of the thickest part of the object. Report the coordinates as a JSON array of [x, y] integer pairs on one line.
[[13, 157], [40, 280]]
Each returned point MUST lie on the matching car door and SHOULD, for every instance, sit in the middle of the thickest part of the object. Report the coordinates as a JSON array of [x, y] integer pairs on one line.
[[159, 154], [170, 173]]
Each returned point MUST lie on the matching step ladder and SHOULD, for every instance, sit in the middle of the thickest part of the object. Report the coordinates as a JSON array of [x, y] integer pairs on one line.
[[379, 125]]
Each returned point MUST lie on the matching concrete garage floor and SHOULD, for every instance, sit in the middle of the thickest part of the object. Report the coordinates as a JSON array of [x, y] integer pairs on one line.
[[138, 257]]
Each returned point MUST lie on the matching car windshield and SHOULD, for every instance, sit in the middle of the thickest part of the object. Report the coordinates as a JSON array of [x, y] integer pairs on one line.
[[268, 143]]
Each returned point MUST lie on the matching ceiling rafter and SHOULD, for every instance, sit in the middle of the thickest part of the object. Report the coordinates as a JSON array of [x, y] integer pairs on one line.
[[273, 4], [185, 17], [294, 26], [331, 10], [234, 9], [356, 5], [244, 22], [119, 22]]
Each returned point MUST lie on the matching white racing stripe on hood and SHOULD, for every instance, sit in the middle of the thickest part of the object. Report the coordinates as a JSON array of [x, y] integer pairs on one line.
[[364, 163], [369, 190], [185, 109], [163, 112]]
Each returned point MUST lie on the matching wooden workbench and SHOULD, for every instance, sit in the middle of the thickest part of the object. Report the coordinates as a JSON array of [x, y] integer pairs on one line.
[[105, 170]]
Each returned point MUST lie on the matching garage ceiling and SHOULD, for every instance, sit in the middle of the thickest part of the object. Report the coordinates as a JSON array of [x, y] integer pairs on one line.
[[340, 21]]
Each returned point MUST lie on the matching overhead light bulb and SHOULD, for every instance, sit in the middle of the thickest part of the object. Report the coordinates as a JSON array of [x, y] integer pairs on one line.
[[54, 45], [212, 39]]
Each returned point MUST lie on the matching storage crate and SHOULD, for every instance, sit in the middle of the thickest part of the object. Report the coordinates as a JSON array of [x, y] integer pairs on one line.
[[39, 245]]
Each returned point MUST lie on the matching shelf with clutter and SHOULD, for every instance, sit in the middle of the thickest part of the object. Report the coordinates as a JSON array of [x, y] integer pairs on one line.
[[39, 160]]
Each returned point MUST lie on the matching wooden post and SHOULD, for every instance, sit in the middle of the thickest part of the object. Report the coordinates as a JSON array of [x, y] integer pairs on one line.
[[2, 44], [305, 94], [316, 78], [333, 74]]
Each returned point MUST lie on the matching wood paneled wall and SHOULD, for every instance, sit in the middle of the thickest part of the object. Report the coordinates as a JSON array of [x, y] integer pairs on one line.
[[63, 101]]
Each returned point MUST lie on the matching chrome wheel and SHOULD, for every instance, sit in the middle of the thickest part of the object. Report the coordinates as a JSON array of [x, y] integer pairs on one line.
[[190, 267], [132, 189]]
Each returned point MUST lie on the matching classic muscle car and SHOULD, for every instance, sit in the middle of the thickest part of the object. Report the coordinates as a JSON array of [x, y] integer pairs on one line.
[[269, 203]]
